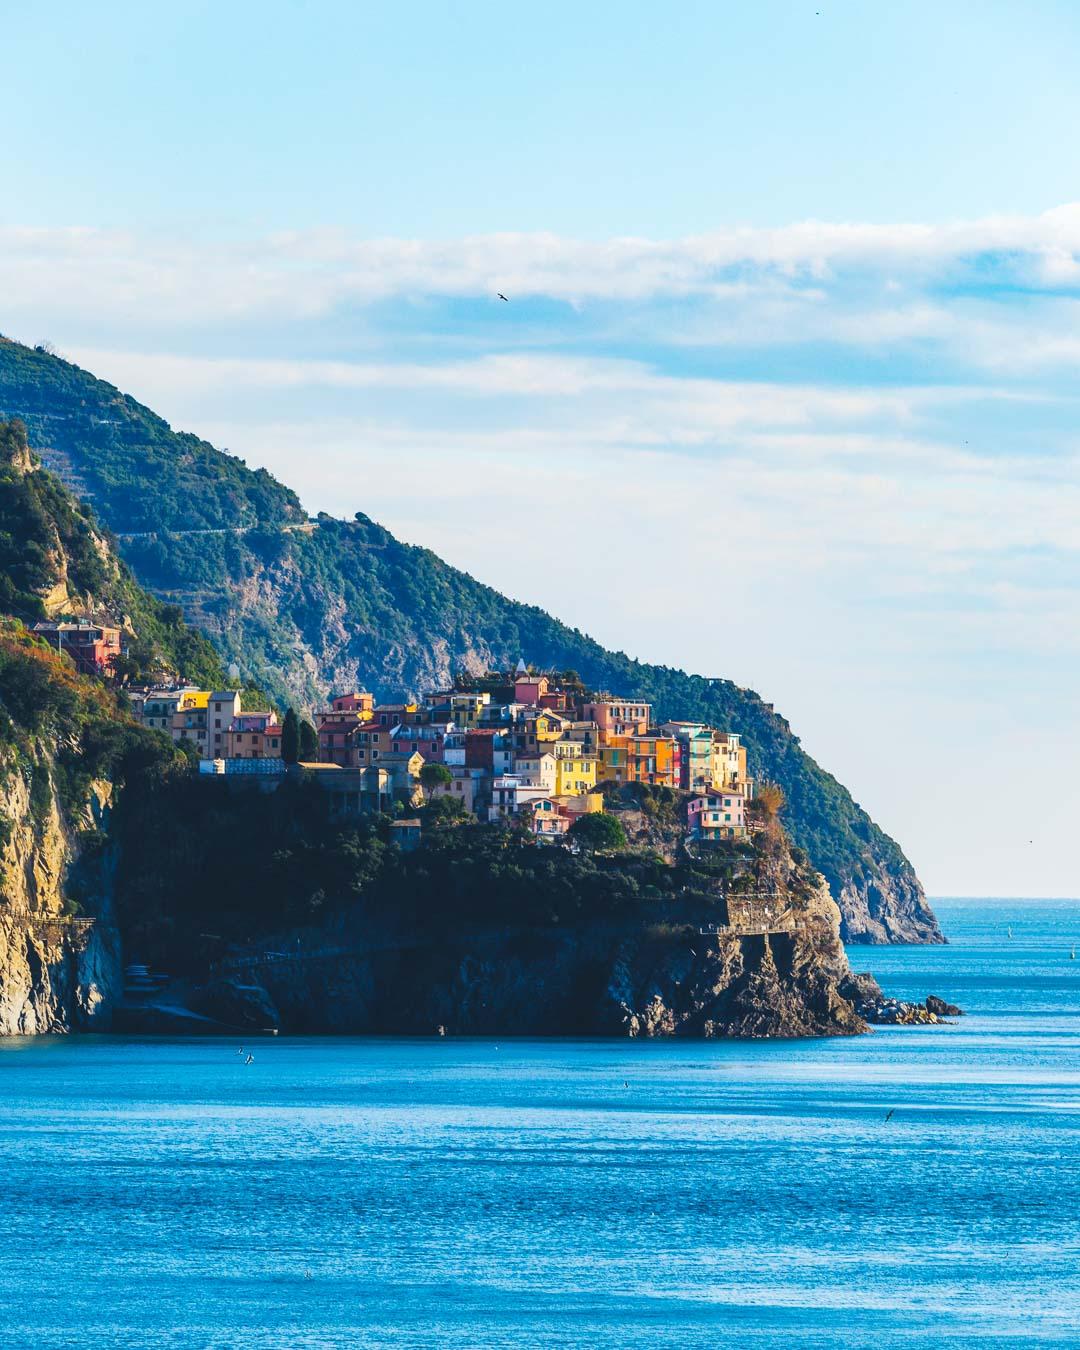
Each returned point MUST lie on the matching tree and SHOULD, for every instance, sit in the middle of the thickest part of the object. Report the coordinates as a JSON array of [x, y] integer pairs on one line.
[[290, 737], [309, 741], [434, 776], [769, 799], [598, 830]]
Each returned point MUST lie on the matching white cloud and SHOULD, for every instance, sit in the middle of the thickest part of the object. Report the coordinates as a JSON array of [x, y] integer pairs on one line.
[[310, 273]]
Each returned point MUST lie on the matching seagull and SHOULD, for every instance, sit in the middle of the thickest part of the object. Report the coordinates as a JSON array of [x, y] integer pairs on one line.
[[501, 296], [889, 1116]]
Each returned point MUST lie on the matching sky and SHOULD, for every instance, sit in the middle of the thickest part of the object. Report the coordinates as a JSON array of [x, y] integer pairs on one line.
[[786, 386]]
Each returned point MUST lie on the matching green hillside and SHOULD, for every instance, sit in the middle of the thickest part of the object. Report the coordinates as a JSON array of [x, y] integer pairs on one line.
[[306, 607]]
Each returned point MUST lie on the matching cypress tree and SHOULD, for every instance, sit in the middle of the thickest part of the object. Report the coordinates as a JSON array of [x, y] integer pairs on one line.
[[290, 737], [309, 742]]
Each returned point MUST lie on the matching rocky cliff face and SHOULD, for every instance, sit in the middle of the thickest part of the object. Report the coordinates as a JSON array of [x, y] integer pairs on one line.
[[58, 972], [886, 907], [626, 979]]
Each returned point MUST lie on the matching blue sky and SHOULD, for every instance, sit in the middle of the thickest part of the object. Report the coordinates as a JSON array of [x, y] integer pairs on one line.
[[786, 390]]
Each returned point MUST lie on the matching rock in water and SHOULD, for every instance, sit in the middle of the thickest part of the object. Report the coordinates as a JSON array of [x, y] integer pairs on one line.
[[939, 1007]]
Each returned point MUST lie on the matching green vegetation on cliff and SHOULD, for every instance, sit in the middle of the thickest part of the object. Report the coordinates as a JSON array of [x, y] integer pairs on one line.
[[50, 542], [195, 859], [305, 610]]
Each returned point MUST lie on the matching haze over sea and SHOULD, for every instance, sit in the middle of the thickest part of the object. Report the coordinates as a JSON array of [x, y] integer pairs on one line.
[[479, 1193]]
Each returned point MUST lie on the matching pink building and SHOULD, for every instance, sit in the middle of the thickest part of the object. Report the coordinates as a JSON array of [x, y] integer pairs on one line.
[[717, 815], [357, 702], [550, 820], [530, 689], [618, 716]]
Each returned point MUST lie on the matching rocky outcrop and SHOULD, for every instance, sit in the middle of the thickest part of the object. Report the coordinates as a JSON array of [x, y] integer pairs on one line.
[[887, 907], [58, 971], [871, 1004], [625, 979]]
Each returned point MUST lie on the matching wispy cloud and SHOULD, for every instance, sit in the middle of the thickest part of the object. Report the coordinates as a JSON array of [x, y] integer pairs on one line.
[[312, 272]]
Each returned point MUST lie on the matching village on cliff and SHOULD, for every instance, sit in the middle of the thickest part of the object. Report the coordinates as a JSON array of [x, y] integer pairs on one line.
[[536, 748]]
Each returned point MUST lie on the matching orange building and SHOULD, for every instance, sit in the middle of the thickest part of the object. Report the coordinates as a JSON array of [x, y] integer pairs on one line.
[[255, 735]]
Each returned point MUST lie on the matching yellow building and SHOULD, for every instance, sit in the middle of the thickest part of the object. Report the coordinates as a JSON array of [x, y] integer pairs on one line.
[[728, 761], [464, 710], [575, 775]]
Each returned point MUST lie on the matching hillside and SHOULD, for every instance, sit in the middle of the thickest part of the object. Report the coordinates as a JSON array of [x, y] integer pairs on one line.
[[306, 607], [111, 849]]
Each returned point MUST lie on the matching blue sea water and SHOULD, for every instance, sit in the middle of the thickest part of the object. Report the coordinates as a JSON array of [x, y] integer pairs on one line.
[[334, 1193]]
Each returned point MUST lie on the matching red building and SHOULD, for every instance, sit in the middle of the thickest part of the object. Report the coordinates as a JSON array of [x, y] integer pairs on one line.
[[480, 750], [92, 646]]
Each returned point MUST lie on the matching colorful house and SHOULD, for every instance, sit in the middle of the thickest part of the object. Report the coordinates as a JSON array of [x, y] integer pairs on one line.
[[471, 787], [530, 689], [696, 758], [92, 646], [160, 705], [549, 819], [390, 715], [617, 716], [536, 768], [337, 725], [222, 709], [574, 773], [254, 735], [717, 815], [404, 768], [509, 795], [189, 720]]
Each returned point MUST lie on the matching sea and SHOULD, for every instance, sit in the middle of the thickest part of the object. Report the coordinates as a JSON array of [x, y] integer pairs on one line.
[[916, 1187]]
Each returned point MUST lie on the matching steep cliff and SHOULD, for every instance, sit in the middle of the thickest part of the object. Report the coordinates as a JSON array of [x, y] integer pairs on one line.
[[65, 743], [636, 980], [305, 607], [59, 971], [480, 929]]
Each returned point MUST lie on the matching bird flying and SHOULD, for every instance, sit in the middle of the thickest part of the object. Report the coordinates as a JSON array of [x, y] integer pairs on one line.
[[889, 1114], [501, 296]]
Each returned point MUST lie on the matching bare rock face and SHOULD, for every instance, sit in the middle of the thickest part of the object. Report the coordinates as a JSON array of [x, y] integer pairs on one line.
[[887, 907], [57, 972]]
